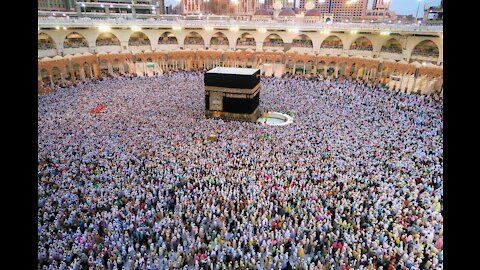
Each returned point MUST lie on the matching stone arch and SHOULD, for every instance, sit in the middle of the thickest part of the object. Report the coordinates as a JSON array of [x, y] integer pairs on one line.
[[246, 39], [331, 68], [426, 48], [138, 39], [310, 66], [44, 75], [46, 42], [116, 66], [332, 42], [273, 40], [56, 74], [76, 70], [193, 38], [392, 46], [107, 39], [299, 66], [75, 40], [341, 68], [219, 39], [321, 66], [362, 44], [66, 72], [126, 66], [361, 69], [168, 38], [302, 40], [87, 69], [352, 69], [103, 66]]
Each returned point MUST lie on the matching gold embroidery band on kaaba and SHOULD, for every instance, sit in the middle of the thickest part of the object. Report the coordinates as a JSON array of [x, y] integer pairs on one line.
[[243, 91]]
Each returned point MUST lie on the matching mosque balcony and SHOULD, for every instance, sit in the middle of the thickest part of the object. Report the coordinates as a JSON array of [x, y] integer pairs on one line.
[[140, 48], [108, 48], [75, 50], [48, 52], [331, 51], [424, 58], [302, 50], [390, 55], [194, 46], [219, 46], [364, 53], [167, 47], [244, 47], [52, 22]]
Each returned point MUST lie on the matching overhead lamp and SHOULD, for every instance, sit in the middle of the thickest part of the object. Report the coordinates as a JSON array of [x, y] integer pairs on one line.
[[102, 5], [57, 27], [353, 31], [233, 28], [64, 28], [104, 28], [129, 6], [293, 30], [177, 28], [83, 4], [208, 28], [136, 28], [325, 32], [384, 33], [262, 30]]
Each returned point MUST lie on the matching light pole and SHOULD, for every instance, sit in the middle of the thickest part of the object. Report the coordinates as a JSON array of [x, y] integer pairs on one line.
[[418, 7]]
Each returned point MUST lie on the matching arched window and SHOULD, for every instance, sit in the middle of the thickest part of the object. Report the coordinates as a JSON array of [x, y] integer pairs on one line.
[[246, 40], [392, 46], [273, 40], [138, 39], [75, 40], [167, 38], [332, 42], [45, 42], [362, 44], [194, 38], [302, 41], [107, 39]]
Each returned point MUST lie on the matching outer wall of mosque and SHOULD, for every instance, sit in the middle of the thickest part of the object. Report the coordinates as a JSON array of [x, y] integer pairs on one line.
[[410, 62]]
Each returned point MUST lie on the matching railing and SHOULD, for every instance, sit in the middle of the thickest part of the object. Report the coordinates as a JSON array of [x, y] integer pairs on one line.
[[180, 22]]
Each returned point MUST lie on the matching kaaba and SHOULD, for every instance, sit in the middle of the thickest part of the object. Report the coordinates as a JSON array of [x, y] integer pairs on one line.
[[232, 93]]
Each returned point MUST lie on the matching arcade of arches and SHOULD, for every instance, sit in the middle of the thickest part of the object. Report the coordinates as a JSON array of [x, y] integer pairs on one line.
[[404, 76], [398, 63]]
